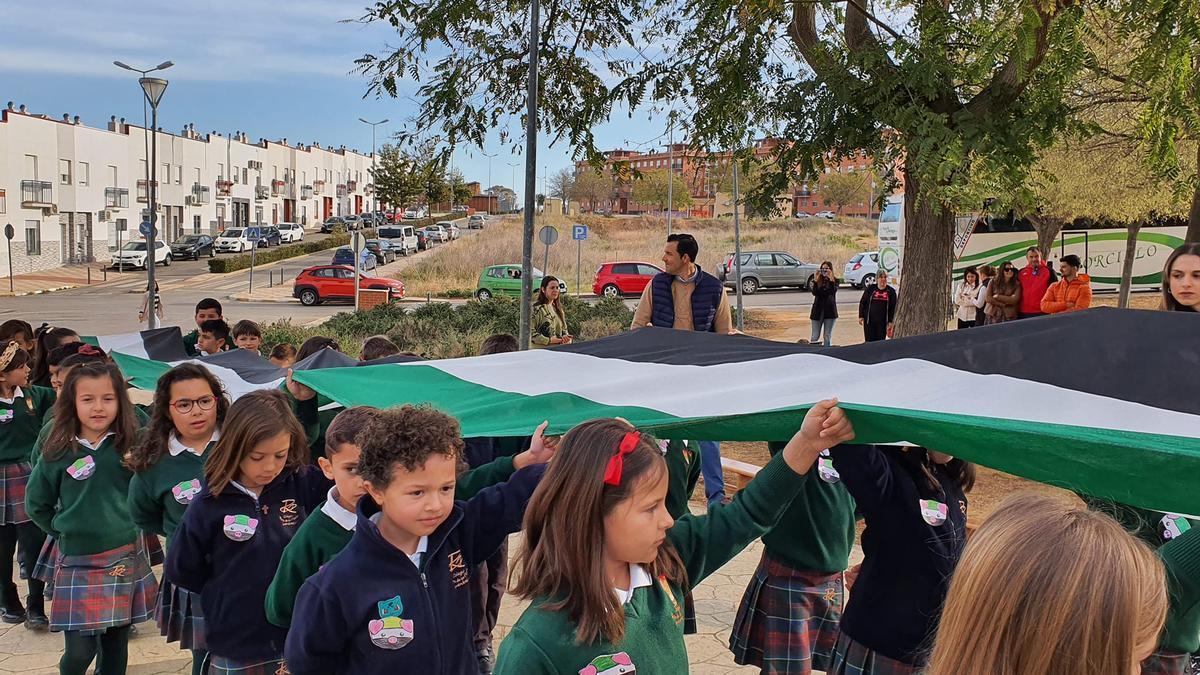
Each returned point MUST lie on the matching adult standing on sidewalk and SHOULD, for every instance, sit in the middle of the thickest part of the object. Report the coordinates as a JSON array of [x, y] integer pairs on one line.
[[877, 309], [964, 298], [986, 274], [685, 297], [824, 310], [1034, 278], [1071, 293], [549, 319]]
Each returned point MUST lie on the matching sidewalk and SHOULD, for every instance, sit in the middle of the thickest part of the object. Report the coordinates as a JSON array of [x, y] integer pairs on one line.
[[56, 279]]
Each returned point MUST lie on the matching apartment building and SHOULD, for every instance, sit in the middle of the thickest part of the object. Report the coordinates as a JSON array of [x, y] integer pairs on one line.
[[71, 191]]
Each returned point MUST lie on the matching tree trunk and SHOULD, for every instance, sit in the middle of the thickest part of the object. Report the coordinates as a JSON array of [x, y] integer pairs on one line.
[[927, 266], [1131, 235], [1047, 231], [1193, 230]]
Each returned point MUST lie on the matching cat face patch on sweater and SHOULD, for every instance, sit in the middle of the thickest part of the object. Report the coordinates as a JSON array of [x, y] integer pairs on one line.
[[240, 528], [185, 491], [610, 664], [933, 511], [390, 630], [82, 468]]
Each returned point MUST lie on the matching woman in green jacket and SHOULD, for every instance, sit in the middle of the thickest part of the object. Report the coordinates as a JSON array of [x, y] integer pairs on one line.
[[549, 321]]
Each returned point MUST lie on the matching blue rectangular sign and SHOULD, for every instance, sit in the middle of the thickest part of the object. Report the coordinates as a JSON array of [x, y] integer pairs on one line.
[[579, 232]]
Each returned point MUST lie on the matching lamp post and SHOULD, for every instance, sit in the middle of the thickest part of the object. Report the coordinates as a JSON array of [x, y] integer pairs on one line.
[[531, 127], [374, 198], [153, 89], [489, 187], [513, 166]]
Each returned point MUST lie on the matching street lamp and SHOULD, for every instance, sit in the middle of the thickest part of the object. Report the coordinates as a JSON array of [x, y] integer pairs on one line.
[[489, 188], [374, 197], [153, 89], [513, 166]]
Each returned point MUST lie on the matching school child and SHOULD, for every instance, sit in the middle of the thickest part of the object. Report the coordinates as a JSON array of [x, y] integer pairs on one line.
[[48, 339], [283, 355], [23, 408], [22, 332], [168, 471], [207, 309], [915, 506], [606, 567], [1181, 634], [258, 488], [214, 337], [683, 472], [247, 335], [788, 620], [396, 600], [78, 494], [377, 347]]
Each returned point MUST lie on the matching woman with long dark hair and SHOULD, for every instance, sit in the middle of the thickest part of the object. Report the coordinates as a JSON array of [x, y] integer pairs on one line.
[[1003, 296], [549, 321], [824, 311], [1181, 279]]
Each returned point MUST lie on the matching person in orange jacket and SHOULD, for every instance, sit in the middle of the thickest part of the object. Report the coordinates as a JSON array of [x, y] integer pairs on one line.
[[1072, 292]]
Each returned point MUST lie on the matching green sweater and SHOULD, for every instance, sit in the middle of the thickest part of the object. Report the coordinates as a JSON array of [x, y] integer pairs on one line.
[[816, 533], [683, 470], [190, 340], [543, 642], [21, 421], [1182, 559], [154, 502], [545, 324], [87, 516], [320, 538]]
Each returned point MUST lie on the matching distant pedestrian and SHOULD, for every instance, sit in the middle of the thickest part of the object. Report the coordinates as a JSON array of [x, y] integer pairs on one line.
[[986, 274], [1003, 296], [877, 309], [143, 314], [824, 310], [1181, 279], [1034, 278], [1071, 293], [549, 321], [964, 298]]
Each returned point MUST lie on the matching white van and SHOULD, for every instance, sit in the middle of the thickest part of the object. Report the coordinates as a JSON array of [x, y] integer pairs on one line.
[[403, 237]]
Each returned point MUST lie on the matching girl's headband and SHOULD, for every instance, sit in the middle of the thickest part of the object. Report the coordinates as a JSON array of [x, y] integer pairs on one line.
[[616, 463], [9, 354]]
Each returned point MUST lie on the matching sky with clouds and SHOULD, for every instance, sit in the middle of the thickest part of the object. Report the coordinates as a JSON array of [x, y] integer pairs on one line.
[[272, 68]]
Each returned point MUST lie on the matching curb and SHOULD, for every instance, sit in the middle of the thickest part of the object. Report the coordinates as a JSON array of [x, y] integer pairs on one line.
[[40, 291]]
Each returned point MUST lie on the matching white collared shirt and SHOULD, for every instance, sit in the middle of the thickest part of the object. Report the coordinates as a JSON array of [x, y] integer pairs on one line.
[[88, 444], [422, 544], [333, 509], [17, 393], [176, 446], [245, 490], [638, 578]]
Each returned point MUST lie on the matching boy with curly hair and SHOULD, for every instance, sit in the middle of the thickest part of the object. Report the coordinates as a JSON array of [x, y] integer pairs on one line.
[[397, 598]]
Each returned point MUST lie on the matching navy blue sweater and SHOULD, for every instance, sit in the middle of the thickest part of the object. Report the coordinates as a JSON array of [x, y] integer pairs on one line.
[[897, 599], [370, 610], [228, 548]]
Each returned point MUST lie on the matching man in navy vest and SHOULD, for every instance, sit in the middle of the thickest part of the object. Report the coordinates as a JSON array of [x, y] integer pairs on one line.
[[686, 297]]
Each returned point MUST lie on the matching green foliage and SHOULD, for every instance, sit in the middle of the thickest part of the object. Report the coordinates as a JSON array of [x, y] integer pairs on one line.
[[592, 187], [841, 189], [650, 189], [267, 255]]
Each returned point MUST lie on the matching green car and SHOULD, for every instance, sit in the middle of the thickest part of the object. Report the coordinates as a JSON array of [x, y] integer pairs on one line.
[[505, 280]]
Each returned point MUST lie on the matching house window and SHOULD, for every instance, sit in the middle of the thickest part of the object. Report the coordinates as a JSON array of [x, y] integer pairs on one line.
[[245, 175], [165, 177], [33, 237], [85, 171], [112, 176], [197, 181], [3, 202], [142, 170], [220, 172], [179, 174], [195, 224], [64, 171], [258, 215]]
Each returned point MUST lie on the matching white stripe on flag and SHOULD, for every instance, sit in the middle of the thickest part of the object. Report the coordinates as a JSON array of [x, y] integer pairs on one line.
[[126, 343]]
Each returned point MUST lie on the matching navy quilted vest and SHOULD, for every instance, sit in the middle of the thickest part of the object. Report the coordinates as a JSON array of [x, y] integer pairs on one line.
[[706, 297]]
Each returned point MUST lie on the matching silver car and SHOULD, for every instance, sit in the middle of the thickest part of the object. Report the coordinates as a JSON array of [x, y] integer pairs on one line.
[[769, 269]]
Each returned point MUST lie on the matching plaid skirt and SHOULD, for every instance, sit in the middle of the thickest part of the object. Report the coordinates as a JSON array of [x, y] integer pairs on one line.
[[96, 592], [43, 569], [179, 617], [219, 665], [853, 658], [788, 619], [13, 478], [1167, 663]]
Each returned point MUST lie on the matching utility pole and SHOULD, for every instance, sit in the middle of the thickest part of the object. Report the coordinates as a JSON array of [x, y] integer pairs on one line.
[[531, 109], [737, 245], [670, 174]]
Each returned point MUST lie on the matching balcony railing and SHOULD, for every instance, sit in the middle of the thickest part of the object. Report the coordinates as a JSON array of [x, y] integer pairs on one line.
[[306, 192], [341, 190], [116, 198], [277, 187], [143, 195], [288, 190], [37, 193], [261, 192], [201, 194], [352, 186], [224, 188], [318, 187]]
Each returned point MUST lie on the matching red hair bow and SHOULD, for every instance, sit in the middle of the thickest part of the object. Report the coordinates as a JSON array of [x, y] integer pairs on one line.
[[89, 350], [616, 463]]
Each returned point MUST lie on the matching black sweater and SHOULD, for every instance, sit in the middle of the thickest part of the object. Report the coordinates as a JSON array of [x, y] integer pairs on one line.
[[897, 599], [877, 306], [824, 301]]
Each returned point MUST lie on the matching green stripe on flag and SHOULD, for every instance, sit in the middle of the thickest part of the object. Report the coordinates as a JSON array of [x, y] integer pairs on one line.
[[140, 373]]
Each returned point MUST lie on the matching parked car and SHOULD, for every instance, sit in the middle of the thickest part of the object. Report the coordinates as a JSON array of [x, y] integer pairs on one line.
[[506, 280], [237, 239], [452, 231], [437, 233], [860, 271], [331, 223], [291, 232], [344, 256], [769, 269], [270, 237], [615, 279], [372, 220], [317, 284], [192, 246], [459, 208], [403, 237], [382, 250], [416, 212], [133, 254], [424, 243], [476, 222], [828, 215], [353, 222]]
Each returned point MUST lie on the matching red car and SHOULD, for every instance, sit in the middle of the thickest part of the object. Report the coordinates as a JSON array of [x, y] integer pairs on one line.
[[317, 284], [616, 279]]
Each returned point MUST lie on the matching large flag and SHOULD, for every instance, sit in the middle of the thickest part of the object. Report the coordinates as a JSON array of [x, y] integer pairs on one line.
[[1105, 401]]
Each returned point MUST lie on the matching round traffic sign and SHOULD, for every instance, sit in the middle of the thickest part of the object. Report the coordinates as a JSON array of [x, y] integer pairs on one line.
[[547, 235], [8, 232]]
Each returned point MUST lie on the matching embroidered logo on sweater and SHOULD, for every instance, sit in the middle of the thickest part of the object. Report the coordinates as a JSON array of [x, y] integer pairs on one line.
[[82, 468], [1174, 525], [6, 416], [184, 492], [240, 528], [459, 575], [933, 511], [610, 664], [390, 630], [676, 611], [825, 468], [289, 513]]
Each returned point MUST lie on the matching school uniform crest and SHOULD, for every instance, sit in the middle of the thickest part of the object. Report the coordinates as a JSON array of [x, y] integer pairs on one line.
[[610, 664], [6, 416], [240, 528], [459, 575], [390, 630], [1174, 525], [933, 511], [186, 490], [289, 512], [676, 610], [82, 468]]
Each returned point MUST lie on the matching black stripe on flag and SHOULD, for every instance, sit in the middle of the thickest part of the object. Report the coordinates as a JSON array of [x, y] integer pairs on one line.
[[248, 365], [164, 344]]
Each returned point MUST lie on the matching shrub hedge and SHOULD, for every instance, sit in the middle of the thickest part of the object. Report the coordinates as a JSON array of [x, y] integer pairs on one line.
[[266, 255]]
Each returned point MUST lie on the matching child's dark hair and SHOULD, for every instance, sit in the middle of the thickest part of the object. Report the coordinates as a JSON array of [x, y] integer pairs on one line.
[[921, 467], [562, 558], [154, 443], [315, 344], [252, 419], [210, 303], [83, 354], [217, 327], [66, 427], [282, 351], [500, 343], [56, 357], [48, 339], [346, 427], [408, 436], [14, 328], [377, 347], [12, 356], [246, 327]]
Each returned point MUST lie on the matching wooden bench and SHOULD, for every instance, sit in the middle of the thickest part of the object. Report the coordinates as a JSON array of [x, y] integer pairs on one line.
[[743, 472]]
